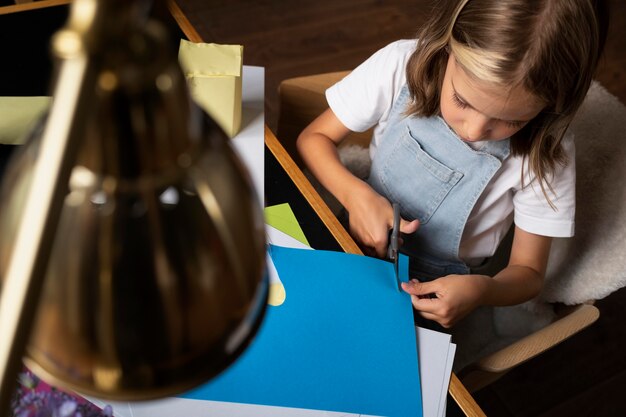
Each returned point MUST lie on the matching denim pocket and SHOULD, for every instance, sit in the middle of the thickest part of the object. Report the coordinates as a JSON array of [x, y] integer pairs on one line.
[[415, 179]]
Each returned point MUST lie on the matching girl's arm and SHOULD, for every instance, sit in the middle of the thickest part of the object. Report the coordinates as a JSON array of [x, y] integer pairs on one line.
[[458, 295], [371, 215]]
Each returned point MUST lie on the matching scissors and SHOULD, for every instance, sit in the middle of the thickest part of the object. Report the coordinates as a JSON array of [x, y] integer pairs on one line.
[[392, 250]]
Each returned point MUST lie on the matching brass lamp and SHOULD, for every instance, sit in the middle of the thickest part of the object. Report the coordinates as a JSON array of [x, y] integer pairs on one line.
[[132, 245]]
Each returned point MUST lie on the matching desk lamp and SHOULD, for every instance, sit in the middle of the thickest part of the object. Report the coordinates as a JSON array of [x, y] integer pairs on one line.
[[132, 247]]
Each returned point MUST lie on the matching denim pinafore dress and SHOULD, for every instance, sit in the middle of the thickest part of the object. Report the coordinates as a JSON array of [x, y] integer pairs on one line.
[[437, 178]]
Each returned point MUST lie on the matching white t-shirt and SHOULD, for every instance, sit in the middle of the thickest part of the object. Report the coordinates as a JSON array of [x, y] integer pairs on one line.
[[364, 99]]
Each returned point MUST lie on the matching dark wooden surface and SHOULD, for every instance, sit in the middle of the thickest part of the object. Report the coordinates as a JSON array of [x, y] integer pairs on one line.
[[586, 375], [312, 36]]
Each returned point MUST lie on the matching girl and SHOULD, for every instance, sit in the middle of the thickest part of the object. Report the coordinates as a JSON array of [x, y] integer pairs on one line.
[[470, 138]]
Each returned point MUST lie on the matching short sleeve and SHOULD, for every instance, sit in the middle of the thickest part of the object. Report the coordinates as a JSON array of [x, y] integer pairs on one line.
[[365, 96], [533, 212]]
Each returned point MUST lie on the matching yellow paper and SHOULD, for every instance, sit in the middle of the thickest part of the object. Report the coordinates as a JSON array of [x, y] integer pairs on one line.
[[282, 218], [213, 73], [18, 116]]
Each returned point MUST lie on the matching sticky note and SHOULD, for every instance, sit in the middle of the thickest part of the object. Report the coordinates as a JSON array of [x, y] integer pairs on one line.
[[213, 74]]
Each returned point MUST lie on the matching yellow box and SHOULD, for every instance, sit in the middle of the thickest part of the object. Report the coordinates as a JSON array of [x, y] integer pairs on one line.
[[213, 73]]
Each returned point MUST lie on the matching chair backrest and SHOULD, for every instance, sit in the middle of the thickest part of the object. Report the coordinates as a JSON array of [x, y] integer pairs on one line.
[[302, 99]]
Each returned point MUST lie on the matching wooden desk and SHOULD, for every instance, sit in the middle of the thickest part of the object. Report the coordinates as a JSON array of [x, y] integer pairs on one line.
[[308, 205]]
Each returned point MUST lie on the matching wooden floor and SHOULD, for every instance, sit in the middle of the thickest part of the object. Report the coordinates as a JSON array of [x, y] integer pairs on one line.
[[586, 375]]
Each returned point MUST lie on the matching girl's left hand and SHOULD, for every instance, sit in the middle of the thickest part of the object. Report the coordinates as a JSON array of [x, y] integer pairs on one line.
[[454, 297]]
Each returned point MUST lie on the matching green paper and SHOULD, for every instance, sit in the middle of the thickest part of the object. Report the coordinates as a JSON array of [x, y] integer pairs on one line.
[[282, 218]]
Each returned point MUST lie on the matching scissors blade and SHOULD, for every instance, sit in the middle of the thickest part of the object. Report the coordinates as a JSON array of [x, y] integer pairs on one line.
[[395, 268], [392, 251]]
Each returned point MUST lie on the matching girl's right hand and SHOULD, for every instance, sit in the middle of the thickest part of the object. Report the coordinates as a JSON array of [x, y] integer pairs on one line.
[[371, 215], [371, 218]]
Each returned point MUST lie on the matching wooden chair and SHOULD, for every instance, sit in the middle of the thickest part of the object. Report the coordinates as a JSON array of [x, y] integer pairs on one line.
[[301, 100]]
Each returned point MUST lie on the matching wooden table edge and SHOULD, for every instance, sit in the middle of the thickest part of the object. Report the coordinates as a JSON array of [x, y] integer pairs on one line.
[[310, 194], [173, 7], [22, 7]]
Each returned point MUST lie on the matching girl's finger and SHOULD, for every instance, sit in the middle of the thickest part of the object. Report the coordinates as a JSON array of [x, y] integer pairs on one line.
[[414, 287], [409, 227], [426, 305]]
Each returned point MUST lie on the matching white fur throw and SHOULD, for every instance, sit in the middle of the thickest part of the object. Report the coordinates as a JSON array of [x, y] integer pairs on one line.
[[592, 265]]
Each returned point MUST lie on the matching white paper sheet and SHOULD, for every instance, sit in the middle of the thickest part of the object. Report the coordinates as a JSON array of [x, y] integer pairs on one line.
[[249, 143], [171, 407], [448, 372], [436, 355], [279, 238]]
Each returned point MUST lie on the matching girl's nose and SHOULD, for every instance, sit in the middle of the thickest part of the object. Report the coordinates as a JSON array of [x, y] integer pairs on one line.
[[477, 127]]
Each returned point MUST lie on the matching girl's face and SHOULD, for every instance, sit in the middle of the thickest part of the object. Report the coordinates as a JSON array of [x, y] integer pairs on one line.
[[479, 111]]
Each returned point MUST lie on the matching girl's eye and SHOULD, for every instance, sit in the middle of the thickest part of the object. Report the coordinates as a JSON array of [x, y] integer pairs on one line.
[[514, 124], [458, 102]]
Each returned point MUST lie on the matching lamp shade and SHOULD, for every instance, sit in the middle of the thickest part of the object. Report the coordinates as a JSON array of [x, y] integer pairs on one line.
[[155, 279]]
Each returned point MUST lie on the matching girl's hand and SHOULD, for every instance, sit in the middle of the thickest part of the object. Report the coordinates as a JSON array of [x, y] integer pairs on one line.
[[371, 218], [456, 296]]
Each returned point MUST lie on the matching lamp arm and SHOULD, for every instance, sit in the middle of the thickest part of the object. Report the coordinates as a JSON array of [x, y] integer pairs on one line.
[[27, 266]]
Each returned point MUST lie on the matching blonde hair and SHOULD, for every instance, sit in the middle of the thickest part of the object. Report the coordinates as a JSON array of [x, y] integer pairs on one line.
[[549, 47]]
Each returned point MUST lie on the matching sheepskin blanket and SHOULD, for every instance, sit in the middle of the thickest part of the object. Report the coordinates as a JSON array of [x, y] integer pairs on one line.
[[590, 265]]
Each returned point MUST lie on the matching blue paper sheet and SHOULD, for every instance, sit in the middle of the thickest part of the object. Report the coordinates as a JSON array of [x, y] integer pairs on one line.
[[343, 340]]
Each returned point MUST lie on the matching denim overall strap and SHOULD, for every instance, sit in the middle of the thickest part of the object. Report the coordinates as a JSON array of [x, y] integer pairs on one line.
[[437, 178]]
